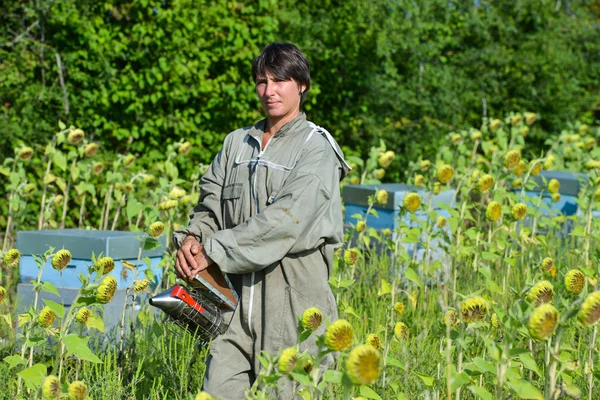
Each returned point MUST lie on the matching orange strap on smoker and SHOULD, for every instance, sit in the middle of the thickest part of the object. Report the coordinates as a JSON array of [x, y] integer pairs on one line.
[[182, 294]]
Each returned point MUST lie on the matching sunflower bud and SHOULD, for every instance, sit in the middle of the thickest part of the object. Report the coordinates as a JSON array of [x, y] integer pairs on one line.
[[485, 183], [530, 118], [361, 226], [412, 202], [78, 391], [97, 168], [386, 158], [518, 211], [543, 321], [61, 259], [553, 186], [493, 211], [495, 124], [363, 365], [75, 136], [12, 258], [475, 135], [379, 174], [141, 285], [541, 293], [338, 335], [441, 221], [184, 148], [312, 318], [401, 331], [425, 164], [474, 309], [419, 180], [46, 317], [156, 229], [106, 289], [105, 264], [373, 340], [51, 389], [512, 158], [351, 256], [3, 294], [445, 173], [90, 150], [589, 313], [25, 153], [128, 160], [82, 315], [574, 281], [287, 360], [382, 196]]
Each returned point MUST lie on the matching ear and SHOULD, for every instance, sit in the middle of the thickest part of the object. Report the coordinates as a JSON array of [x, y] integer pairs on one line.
[[301, 88]]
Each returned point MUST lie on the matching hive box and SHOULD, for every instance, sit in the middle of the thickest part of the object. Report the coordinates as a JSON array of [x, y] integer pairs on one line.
[[120, 245]]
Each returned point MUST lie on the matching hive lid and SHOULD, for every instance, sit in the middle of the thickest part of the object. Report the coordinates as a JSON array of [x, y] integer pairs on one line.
[[570, 182]]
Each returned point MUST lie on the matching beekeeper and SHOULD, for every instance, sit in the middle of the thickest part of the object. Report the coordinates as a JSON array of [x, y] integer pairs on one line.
[[270, 216]]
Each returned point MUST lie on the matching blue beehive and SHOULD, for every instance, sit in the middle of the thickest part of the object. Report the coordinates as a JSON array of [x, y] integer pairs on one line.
[[570, 186]]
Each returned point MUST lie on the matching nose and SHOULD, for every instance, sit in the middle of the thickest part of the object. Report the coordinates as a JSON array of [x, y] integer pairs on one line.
[[269, 88]]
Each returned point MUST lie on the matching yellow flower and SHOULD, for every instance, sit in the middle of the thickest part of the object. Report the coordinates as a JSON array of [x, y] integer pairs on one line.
[[401, 331], [373, 340], [548, 266], [437, 188], [338, 335], [493, 211], [82, 315], [495, 124], [475, 135], [536, 167], [204, 396], [441, 221], [75, 136], [128, 187], [363, 365], [25, 153], [419, 180], [97, 168], [2, 294], [141, 285], [387, 232], [412, 202], [589, 313], [312, 318], [386, 159], [399, 308], [61, 259], [455, 138], [530, 118], [475, 174], [382, 196], [496, 323], [542, 292], [451, 318], [553, 186], [516, 119], [90, 150], [543, 321], [524, 131], [519, 210], [574, 281], [425, 164], [78, 391], [156, 229], [555, 197], [128, 160], [351, 256], [520, 168], [592, 164], [105, 264], [29, 189], [378, 174], [51, 388], [549, 162], [474, 309], [148, 179], [355, 180], [287, 360], [445, 173], [361, 226], [485, 183], [184, 148], [168, 205], [12, 258], [58, 200], [176, 193], [46, 317], [512, 158], [106, 289]]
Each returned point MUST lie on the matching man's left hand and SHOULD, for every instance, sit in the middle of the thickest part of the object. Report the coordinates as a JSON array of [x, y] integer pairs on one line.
[[203, 261]]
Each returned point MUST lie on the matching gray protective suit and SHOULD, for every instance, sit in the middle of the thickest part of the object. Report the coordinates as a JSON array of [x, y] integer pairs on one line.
[[271, 220]]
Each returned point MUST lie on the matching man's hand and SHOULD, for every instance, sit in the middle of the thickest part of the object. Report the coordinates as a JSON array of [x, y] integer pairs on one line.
[[191, 259]]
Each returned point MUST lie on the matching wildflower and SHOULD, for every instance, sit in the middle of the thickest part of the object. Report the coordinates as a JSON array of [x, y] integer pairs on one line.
[[496, 323], [156, 229], [176, 193], [425, 164], [61, 259], [51, 388], [75, 136], [530, 118], [386, 232], [361, 226], [543, 321], [2, 294], [542, 292], [351, 256], [78, 391], [512, 158], [399, 308], [517, 183], [184, 148], [354, 180], [473, 309], [97, 168], [338, 335], [185, 200], [386, 158], [82, 315], [574, 281], [445, 173], [516, 119], [451, 318], [46, 317], [141, 285], [373, 340], [58, 200], [412, 202], [305, 363], [105, 264], [437, 188], [363, 365], [12, 257], [148, 179], [419, 180], [495, 124], [493, 211], [475, 174], [382, 196], [287, 360], [25, 153], [128, 187], [553, 186], [518, 211], [106, 289], [455, 139], [549, 162], [401, 331], [204, 396], [536, 167], [592, 164], [168, 205], [589, 313], [485, 183], [90, 150], [379, 173], [520, 168], [555, 197], [128, 160], [548, 266], [524, 131], [441, 221], [312, 318], [29, 189], [475, 135]]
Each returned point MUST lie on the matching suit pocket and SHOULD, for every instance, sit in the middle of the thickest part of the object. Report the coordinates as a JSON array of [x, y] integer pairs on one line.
[[230, 200]]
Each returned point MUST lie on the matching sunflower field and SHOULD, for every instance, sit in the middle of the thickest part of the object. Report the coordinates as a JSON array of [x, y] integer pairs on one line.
[[508, 308]]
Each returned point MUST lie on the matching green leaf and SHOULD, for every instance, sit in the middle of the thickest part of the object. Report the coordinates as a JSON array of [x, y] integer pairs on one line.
[[524, 389], [386, 288], [396, 363], [458, 380], [346, 283], [369, 393], [56, 308], [61, 125], [331, 376], [60, 160], [427, 380], [78, 347], [50, 288], [578, 231], [151, 243], [33, 376], [13, 361], [95, 322], [133, 207], [529, 363], [486, 255], [484, 365], [412, 276], [481, 392], [303, 379]]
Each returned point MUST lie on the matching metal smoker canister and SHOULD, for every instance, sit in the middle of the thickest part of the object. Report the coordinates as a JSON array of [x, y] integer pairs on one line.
[[192, 311]]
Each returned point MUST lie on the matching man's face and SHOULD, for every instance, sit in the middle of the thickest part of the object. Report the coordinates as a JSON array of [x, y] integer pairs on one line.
[[279, 98]]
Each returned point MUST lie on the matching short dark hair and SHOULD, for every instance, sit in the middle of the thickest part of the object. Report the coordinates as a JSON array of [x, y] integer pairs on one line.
[[284, 61]]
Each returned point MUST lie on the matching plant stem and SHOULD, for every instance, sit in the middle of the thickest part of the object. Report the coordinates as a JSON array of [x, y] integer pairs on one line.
[[590, 375]]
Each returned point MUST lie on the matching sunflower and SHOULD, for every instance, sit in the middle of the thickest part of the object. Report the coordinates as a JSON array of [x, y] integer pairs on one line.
[[387, 232], [451, 318], [351, 256], [106, 289], [543, 321], [61, 259], [424, 165], [51, 388], [141, 285], [105, 264], [574, 281], [493, 211], [495, 124], [361, 226], [401, 331], [90, 150], [441, 221], [168, 205], [455, 139], [156, 229], [75, 136], [496, 323], [287, 360], [97, 168], [363, 365], [12, 258], [399, 308], [445, 173], [373, 340], [518, 211], [555, 197], [516, 119], [78, 391], [475, 135], [419, 180], [58, 200], [2, 294], [530, 118], [148, 179], [29, 189], [542, 292], [312, 319], [25, 153], [512, 158], [46, 317], [517, 183], [524, 131], [553, 186], [549, 162], [185, 200], [589, 313], [82, 315], [128, 160], [379, 173], [382, 196], [536, 167], [305, 363], [176, 193], [184, 148], [520, 168], [203, 396], [548, 266], [474, 309], [385, 159], [338, 335], [485, 183], [437, 188], [412, 202]]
